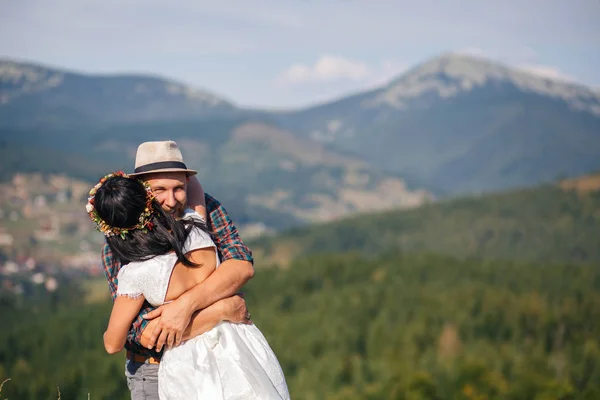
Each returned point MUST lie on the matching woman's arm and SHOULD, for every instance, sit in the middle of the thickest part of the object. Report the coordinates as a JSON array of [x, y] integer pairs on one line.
[[195, 196], [124, 310]]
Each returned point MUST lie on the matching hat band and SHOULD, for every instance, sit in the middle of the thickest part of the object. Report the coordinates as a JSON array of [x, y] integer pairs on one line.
[[160, 165]]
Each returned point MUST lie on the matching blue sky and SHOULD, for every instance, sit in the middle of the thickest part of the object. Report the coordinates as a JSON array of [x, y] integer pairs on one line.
[[290, 53]]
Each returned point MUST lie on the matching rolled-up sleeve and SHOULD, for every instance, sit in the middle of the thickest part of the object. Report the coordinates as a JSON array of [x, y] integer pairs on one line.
[[226, 236]]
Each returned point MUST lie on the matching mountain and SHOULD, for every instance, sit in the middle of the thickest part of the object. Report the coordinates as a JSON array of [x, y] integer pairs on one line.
[[459, 124], [267, 177], [549, 224], [34, 95], [60, 122], [453, 125]]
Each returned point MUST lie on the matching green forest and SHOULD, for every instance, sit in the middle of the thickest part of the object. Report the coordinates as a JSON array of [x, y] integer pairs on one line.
[[540, 224], [492, 297], [400, 325]]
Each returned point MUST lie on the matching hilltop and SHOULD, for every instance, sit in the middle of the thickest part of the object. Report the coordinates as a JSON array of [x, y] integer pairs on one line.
[[549, 223]]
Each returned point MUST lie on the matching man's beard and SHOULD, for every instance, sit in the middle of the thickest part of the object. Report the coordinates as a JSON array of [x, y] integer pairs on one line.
[[176, 212]]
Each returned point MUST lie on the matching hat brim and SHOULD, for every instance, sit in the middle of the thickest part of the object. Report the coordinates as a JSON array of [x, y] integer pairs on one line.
[[189, 172]]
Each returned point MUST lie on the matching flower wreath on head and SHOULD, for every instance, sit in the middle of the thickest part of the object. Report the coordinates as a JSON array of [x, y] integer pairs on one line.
[[144, 222]]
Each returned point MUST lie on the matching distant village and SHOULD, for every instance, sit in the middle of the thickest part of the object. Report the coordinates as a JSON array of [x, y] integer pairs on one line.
[[45, 233]]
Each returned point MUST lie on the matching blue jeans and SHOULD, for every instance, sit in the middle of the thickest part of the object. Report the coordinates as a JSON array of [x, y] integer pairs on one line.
[[142, 380]]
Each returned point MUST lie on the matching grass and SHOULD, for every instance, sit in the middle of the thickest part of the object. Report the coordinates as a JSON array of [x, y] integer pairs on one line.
[[2, 384], [57, 389]]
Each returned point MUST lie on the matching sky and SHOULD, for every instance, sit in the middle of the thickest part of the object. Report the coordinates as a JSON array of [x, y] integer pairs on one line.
[[293, 53]]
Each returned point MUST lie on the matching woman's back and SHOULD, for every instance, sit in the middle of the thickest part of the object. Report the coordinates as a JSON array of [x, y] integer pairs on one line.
[[162, 278], [183, 278]]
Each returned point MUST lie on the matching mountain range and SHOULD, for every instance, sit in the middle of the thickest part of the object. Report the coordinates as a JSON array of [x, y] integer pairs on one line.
[[36, 96], [453, 125]]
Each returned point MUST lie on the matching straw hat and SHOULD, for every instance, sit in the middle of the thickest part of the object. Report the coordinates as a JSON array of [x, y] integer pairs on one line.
[[165, 156]]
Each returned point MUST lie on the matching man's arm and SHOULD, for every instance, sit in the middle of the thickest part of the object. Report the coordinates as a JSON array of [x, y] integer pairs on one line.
[[196, 197], [110, 267], [232, 309], [235, 270]]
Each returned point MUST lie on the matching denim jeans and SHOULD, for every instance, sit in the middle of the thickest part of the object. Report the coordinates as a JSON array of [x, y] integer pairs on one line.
[[142, 380]]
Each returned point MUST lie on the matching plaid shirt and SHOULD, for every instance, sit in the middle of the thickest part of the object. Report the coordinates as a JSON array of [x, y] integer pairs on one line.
[[229, 246]]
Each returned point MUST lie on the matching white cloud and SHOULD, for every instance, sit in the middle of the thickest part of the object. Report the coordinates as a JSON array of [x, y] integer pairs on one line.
[[330, 69], [326, 68], [472, 51], [333, 77], [547, 71]]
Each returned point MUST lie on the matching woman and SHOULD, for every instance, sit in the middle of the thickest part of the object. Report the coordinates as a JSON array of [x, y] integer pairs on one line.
[[164, 258]]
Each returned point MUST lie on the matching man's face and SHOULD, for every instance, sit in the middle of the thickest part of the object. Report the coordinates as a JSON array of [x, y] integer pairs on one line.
[[169, 188]]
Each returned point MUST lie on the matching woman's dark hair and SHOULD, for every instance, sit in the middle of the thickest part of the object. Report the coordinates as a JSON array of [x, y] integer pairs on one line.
[[120, 201]]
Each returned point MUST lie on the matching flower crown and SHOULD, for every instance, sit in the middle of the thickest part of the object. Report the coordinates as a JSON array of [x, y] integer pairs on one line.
[[144, 222]]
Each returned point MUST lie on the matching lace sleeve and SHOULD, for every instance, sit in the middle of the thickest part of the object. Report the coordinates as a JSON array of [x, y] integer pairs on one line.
[[127, 284]]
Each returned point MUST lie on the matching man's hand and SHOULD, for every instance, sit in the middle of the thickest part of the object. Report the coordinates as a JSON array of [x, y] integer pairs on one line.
[[174, 318], [235, 310], [232, 309]]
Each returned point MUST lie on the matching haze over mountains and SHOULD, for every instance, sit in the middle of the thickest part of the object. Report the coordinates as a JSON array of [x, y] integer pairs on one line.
[[453, 125], [461, 124]]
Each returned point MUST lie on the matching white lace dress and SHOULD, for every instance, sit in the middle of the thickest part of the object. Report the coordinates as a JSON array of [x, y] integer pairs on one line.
[[231, 361]]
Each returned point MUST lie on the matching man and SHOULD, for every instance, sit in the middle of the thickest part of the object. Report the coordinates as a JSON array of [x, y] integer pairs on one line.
[[161, 165]]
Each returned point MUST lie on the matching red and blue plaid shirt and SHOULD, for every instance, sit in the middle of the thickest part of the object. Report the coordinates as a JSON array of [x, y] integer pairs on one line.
[[229, 246]]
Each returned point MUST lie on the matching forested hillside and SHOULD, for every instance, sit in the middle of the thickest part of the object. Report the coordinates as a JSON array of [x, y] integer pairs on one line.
[[398, 326], [547, 223]]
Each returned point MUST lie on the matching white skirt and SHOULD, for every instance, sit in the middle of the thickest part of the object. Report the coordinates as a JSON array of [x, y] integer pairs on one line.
[[231, 361]]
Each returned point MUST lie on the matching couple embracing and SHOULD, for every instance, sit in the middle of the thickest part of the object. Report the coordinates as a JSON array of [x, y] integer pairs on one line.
[[174, 262]]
